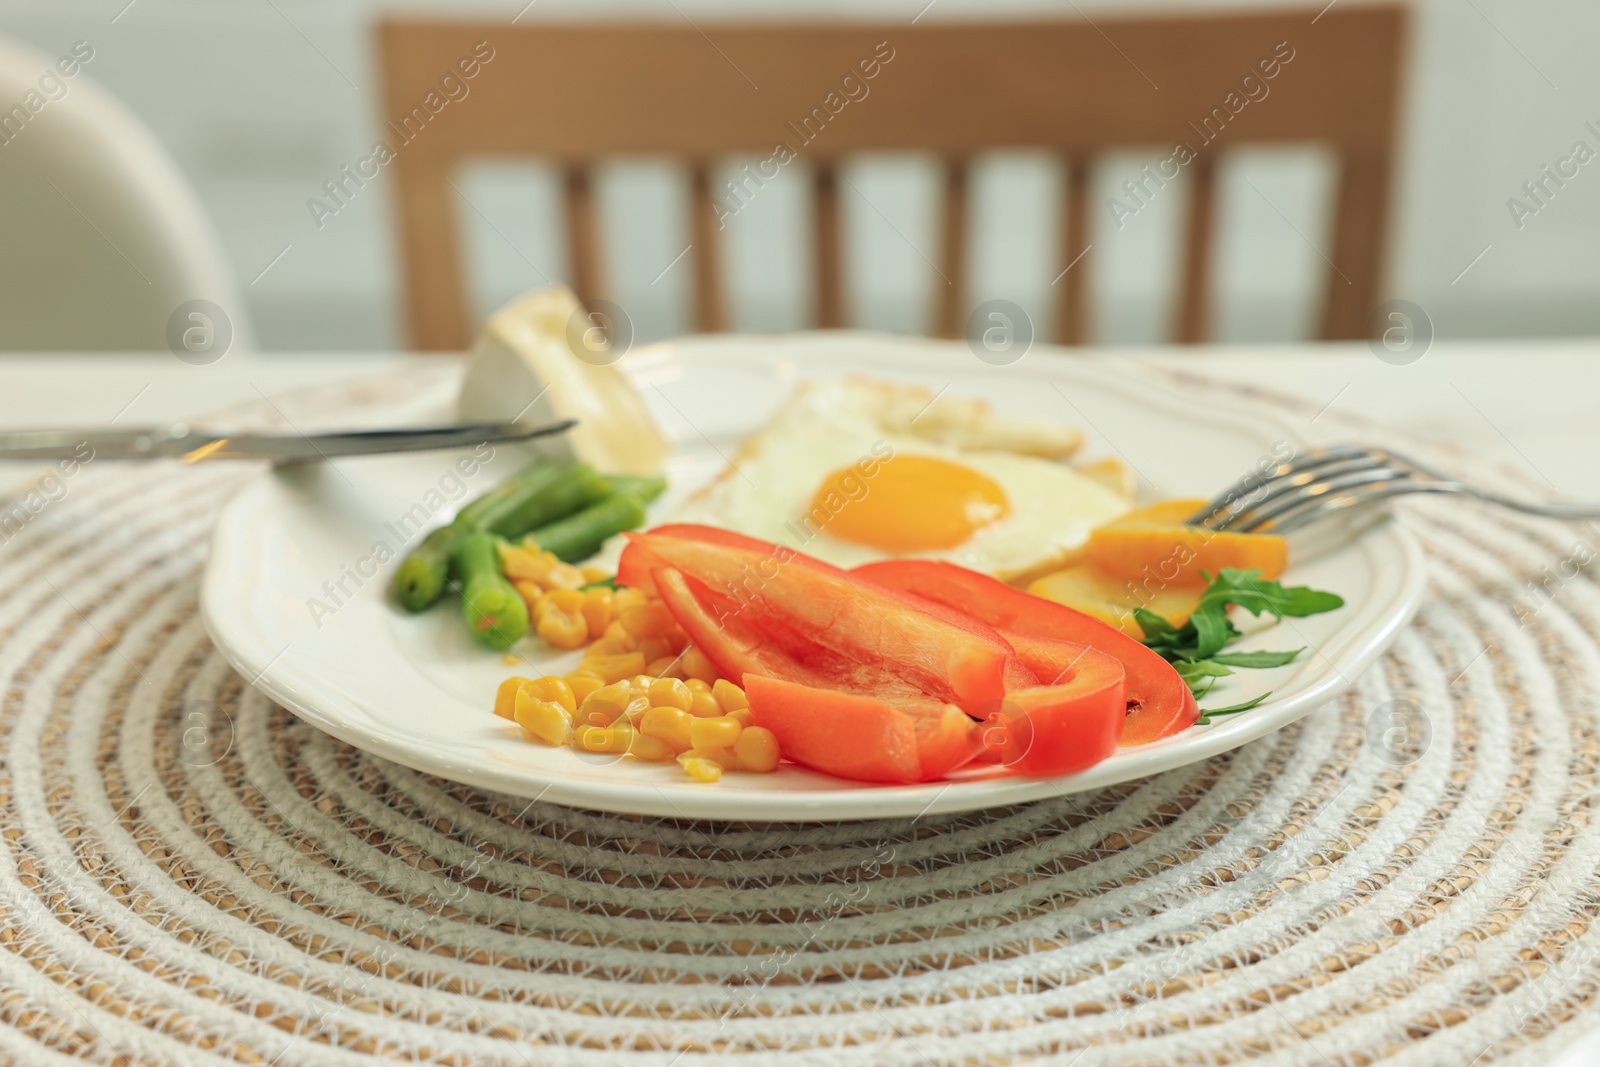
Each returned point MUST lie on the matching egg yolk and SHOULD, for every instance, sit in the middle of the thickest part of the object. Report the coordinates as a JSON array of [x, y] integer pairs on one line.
[[911, 504]]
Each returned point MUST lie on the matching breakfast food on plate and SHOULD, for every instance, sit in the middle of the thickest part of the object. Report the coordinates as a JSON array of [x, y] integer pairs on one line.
[[852, 470], [844, 596]]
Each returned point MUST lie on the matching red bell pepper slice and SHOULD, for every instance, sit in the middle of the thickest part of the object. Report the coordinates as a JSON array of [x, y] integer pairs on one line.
[[854, 735], [740, 644], [959, 663], [1162, 704], [634, 568]]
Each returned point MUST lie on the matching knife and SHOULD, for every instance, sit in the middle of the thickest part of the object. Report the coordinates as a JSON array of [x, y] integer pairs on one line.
[[178, 441]]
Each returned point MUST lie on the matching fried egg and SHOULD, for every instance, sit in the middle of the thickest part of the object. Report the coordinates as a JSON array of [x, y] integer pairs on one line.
[[854, 470]]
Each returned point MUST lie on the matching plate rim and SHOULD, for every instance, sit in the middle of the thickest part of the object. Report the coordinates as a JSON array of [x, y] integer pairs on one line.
[[913, 800]]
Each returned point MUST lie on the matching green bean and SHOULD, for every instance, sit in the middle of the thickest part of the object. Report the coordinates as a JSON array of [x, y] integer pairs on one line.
[[423, 573], [580, 536], [494, 610], [644, 486], [569, 491], [491, 509]]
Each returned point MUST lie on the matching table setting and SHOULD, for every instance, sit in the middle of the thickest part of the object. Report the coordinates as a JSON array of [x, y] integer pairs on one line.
[[197, 873], [891, 538]]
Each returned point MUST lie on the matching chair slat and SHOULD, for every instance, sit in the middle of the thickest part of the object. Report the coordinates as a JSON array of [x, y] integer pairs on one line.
[[1360, 211], [1194, 293], [951, 280], [583, 244], [1072, 316], [825, 246], [708, 315]]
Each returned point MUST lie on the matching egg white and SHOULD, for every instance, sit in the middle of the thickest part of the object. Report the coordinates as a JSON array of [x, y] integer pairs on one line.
[[769, 489]]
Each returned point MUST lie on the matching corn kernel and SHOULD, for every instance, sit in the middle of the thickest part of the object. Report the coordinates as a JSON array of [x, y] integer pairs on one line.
[[670, 693], [597, 611], [562, 575], [522, 562], [669, 725], [551, 688], [704, 705], [615, 631], [505, 698], [719, 732], [699, 685], [651, 749], [730, 696], [599, 711], [562, 631], [757, 749], [607, 739], [666, 667], [742, 716], [566, 601], [607, 646], [722, 757], [654, 648], [595, 574], [529, 591], [701, 770], [615, 668], [696, 665], [638, 705], [627, 597], [583, 684], [544, 719], [646, 620]]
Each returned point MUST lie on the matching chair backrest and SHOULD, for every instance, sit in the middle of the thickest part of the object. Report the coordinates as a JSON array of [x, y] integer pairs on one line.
[[104, 240], [576, 94]]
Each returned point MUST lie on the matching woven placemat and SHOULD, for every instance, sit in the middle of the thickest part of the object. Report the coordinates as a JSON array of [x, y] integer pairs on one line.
[[189, 875]]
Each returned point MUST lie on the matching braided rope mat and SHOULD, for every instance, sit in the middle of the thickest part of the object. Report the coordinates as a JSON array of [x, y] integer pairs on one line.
[[188, 875]]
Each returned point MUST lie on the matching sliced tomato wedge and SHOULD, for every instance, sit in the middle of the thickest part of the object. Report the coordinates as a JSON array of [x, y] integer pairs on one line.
[[857, 736], [963, 663], [1160, 701]]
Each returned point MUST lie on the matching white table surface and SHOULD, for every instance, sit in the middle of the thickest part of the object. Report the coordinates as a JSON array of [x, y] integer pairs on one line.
[[1529, 404]]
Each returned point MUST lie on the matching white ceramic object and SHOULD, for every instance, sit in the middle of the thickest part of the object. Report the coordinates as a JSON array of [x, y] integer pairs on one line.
[[415, 689]]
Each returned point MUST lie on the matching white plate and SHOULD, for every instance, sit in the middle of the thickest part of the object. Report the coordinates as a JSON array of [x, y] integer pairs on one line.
[[415, 689]]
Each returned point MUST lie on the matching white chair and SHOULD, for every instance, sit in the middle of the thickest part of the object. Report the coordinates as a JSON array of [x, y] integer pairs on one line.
[[101, 237]]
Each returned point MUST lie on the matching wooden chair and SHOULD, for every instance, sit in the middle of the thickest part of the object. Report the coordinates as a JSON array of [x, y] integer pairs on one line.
[[576, 94]]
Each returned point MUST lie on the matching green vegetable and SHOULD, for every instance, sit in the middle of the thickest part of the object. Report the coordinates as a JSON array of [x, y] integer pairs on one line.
[[580, 536], [494, 610], [541, 493], [423, 572], [488, 509], [644, 486], [1195, 648], [541, 503]]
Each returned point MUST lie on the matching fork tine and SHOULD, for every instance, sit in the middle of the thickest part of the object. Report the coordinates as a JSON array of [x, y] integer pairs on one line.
[[1316, 508], [1272, 516], [1224, 509], [1220, 505]]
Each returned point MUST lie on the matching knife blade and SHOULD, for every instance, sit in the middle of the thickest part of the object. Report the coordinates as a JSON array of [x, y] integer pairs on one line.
[[179, 441]]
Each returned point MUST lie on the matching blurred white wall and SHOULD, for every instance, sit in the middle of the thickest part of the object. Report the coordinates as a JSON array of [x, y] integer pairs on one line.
[[261, 101]]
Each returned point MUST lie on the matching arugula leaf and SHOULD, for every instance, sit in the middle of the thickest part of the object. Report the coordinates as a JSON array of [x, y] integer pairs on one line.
[[1258, 595], [1212, 631], [1205, 716], [1192, 670], [1264, 658], [1195, 648]]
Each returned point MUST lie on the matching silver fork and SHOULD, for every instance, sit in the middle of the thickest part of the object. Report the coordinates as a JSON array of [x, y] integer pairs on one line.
[[1312, 486]]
